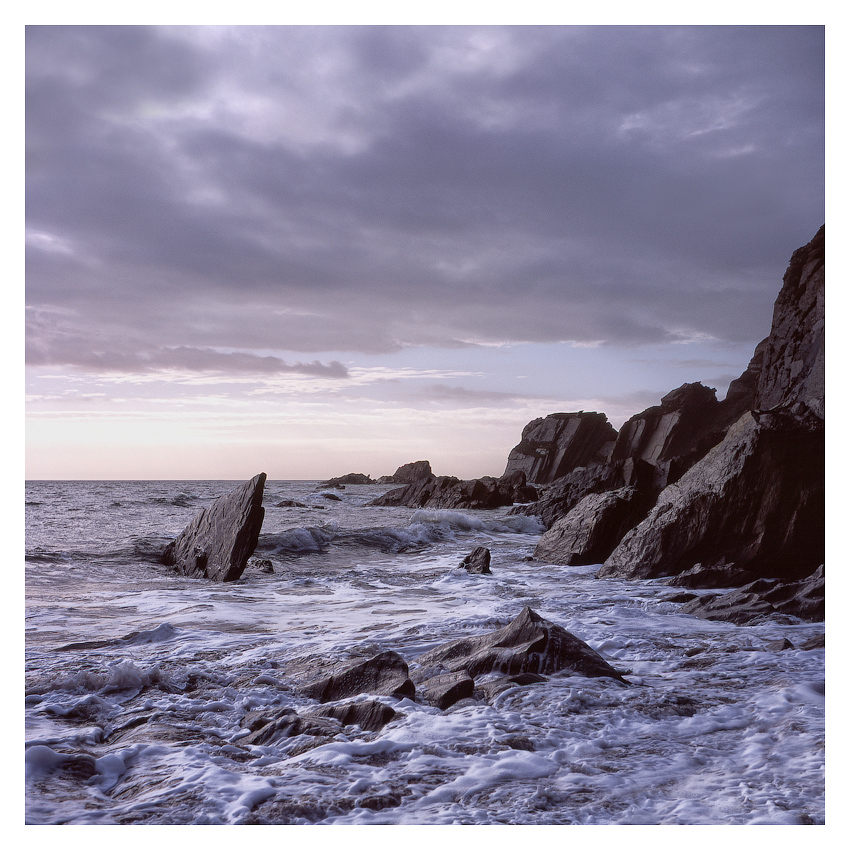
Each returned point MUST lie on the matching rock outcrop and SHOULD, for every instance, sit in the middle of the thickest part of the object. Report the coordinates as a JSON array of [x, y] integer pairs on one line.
[[528, 644], [350, 478], [408, 473], [477, 562], [445, 491], [221, 538], [386, 673], [559, 443], [592, 529]]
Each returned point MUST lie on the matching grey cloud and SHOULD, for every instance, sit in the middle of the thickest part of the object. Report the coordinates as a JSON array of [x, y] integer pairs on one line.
[[421, 185]]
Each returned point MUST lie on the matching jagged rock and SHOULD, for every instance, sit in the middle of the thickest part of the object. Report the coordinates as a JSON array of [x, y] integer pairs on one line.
[[778, 645], [285, 723], [371, 716], [756, 500], [803, 599], [446, 491], [350, 478], [722, 575], [592, 529], [793, 370], [221, 538], [410, 472], [817, 642], [529, 644], [290, 503], [446, 689], [386, 673], [477, 562], [559, 443]]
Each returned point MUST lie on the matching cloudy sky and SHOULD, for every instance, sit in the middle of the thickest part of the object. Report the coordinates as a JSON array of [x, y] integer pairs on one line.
[[312, 250]]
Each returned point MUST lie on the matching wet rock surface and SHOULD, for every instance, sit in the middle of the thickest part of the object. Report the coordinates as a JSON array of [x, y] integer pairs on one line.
[[220, 539], [386, 673], [446, 491]]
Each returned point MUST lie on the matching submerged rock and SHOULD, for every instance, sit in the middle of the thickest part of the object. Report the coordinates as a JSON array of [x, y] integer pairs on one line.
[[386, 673], [221, 538], [529, 644]]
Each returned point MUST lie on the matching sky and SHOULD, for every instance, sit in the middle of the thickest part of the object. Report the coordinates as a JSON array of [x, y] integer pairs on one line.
[[314, 250]]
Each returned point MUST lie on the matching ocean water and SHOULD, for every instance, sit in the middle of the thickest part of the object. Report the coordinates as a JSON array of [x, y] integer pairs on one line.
[[138, 680]]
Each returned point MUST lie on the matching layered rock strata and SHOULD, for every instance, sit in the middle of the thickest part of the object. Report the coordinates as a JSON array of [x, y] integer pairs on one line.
[[221, 538]]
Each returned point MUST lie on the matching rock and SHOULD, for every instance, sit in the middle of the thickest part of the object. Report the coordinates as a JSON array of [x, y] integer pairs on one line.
[[446, 491], [386, 673], [262, 565], [285, 723], [444, 690], [817, 642], [410, 472], [558, 444], [350, 478], [221, 538], [492, 688], [371, 716], [793, 370], [477, 562], [332, 497], [756, 500], [778, 645], [722, 575], [802, 599], [592, 529], [290, 503], [529, 644]]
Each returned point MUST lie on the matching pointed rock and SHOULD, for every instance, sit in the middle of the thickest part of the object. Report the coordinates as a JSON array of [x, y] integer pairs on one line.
[[221, 538], [529, 644], [477, 562], [386, 673]]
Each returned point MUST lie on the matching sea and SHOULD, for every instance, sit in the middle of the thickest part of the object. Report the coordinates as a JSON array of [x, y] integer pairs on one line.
[[139, 681]]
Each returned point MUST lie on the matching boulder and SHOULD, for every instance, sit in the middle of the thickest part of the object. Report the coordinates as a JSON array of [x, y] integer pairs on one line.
[[285, 723], [592, 529], [559, 443], [529, 644], [221, 538], [290, 503], [386, 673], [371, 715], [493, 687], [444, 690], [446, 491], [722, 575], [477, 562], [756, 500], [803, 599]]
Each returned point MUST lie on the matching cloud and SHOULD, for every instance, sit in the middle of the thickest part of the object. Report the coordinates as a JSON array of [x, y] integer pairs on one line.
[[369, 189]]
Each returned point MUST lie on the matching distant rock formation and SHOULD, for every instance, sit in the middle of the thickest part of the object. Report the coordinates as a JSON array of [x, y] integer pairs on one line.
[[350, 478], [528, 644], [220, 539], [445, 491], [553, 446], [408, 473]]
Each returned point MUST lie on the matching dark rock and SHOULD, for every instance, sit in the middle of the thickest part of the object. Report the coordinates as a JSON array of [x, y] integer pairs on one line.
[[756, 500], [446, 491], [350, 478], [408, 473], [263, 565], [722, 575], [558, 444], [289, 503], [446, 689], [286, 723], [592, 529], [371, 716], [221, 538], [379, 802], [331, 497], [778, 645], [802, 599], [386, 673], [817, 642], [492, 688], [793, 370], [529, 644], [477, 561]]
